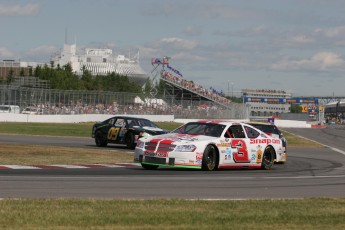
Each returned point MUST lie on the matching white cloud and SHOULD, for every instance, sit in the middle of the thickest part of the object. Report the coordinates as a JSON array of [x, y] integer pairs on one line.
[[301, 39], [323, 61], [192, 31], [331, 32], [44, 49], [19, 10], [5, 53], [179, 43]]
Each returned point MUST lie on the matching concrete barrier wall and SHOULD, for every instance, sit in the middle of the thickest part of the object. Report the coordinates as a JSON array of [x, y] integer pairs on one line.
[[7, 117], [10, 117], [291, 124]]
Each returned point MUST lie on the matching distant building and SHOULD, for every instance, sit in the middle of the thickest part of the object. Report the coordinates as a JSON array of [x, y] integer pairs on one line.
[[100, 62], [265, 103], [15, 68]]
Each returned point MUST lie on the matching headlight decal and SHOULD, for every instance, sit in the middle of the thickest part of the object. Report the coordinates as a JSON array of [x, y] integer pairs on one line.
[[185, 148], [140, 144]]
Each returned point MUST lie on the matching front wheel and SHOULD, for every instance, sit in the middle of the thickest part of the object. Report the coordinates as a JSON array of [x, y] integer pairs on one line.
[[268, 158], [210, 159], [149, 167], [130, 141]]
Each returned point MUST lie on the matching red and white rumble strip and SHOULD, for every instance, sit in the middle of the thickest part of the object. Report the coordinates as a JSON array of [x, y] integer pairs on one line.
[[73, 166]]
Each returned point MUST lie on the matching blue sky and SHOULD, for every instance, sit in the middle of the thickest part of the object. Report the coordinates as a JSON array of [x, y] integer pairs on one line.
[[292, 45]]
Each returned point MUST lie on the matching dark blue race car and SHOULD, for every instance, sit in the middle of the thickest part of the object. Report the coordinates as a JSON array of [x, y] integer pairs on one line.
[[124, 130]]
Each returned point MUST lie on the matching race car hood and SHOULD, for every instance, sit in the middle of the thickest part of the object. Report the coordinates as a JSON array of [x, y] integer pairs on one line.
[[177, 139]]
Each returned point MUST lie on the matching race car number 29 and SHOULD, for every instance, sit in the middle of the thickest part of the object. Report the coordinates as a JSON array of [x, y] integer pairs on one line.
[[113, 133]]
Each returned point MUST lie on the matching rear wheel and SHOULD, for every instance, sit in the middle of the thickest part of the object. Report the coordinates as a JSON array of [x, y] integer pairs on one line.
[[100, 140], [149, 167], [130, 141], [268, 158], [210, 159]]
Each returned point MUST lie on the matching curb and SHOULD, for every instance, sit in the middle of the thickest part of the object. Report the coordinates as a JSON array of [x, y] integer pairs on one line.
[[72, 166]]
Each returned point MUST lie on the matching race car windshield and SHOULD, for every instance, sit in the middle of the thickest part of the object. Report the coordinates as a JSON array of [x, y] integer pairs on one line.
[[148, 123], [214, 130]]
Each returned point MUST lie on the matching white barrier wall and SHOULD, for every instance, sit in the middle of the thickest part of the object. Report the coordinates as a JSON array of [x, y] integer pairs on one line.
[[73, 118], [10, 117], [291, 124]]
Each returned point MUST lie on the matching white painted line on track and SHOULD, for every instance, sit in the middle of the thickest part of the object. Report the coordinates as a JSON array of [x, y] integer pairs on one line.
[[70, 166], [337, 150], [20, 167]]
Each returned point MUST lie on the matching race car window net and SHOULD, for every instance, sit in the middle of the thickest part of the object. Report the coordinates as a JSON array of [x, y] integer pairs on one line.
[[251, 133], [237, 131], [120, 122]]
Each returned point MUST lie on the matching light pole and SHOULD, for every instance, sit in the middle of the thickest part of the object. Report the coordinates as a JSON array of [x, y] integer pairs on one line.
[[232, 89], [228, 88]]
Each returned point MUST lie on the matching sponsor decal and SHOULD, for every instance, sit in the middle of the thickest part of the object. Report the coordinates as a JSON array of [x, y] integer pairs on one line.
[[228, 154], [227, 139], [198, 156], [223, 145], [264, 141], [198, 162], [259, 154], [187, 138], [158, 154], [123, 132]]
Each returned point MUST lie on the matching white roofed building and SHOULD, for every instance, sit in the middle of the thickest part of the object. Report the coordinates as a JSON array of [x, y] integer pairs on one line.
[[100, 61]]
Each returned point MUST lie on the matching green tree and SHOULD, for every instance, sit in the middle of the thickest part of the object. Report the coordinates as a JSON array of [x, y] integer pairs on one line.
[[148, 86], [10, 76], [86, 80], [22, 72], [161, 87], [296, 108]]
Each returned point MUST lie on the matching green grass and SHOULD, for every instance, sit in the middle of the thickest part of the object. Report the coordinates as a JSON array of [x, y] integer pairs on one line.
[[172, 214], [296, 141], [13, 154], [61, 129]]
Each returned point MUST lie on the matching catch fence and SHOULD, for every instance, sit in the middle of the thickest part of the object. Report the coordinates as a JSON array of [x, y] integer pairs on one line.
[[52, 101]]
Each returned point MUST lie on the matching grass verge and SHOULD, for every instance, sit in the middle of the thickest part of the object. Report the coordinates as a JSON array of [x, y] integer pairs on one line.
[[320, 213], [38, 154], [61, 129]]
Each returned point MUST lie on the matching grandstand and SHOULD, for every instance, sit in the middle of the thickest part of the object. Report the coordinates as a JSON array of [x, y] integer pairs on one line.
[[180, 90]]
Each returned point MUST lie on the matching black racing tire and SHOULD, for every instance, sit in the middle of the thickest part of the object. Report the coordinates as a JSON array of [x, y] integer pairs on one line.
[[149, 167], [268, 158], [100, 140], [130, 141], [210, 159]]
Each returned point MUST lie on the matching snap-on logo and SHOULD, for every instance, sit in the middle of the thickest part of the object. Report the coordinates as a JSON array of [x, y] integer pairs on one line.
[[264, 141]]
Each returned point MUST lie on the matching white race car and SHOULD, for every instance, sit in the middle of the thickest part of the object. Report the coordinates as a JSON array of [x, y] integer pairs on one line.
[[210, 145]]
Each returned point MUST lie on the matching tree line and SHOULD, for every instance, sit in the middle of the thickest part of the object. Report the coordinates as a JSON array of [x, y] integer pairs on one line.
[[64, 78]]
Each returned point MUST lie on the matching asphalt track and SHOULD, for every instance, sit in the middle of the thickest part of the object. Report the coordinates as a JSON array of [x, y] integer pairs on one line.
[[309, 172]]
